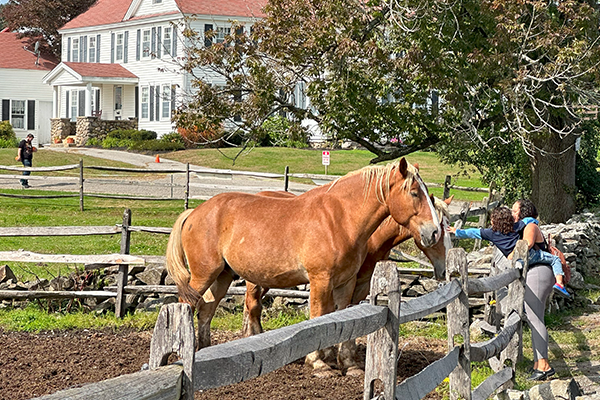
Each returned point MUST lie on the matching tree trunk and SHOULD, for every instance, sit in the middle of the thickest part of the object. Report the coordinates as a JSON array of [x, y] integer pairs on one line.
[[553, 178]]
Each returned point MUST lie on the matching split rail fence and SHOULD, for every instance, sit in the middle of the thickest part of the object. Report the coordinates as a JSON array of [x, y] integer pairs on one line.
[[187, 172], [244, 359]]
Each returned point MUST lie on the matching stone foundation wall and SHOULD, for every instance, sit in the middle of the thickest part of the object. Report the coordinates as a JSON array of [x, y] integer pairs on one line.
[[60, 128], [94, 127]]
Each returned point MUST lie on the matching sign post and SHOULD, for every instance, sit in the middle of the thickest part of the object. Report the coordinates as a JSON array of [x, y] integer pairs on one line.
[[325, 159]]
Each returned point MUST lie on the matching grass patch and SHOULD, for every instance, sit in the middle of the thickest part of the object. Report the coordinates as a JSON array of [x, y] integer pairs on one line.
[[436, 329], [33, 319], [275, 159], [65, 212], [50, 158]]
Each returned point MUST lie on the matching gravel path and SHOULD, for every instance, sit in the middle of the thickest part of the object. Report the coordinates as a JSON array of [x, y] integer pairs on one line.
[[202, 186]]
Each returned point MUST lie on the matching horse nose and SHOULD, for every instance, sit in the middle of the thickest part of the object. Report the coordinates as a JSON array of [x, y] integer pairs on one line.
[[429, 236]]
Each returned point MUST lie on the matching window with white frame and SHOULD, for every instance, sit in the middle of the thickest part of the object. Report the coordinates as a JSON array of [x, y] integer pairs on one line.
[[166, 101], [74, 104], [145, 100], [221, 33], [146, 36], [75, 50], [119, 46], [167, 40], [17, 114], [92, 49]]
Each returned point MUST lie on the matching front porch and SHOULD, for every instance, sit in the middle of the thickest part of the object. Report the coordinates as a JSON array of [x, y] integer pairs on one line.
[[84, 128]]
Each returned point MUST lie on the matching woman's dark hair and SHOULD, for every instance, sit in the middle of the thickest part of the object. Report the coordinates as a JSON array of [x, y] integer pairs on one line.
[[502, 220], [527, 209]]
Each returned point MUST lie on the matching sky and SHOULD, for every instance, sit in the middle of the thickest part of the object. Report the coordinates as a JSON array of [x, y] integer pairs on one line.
[[3, 1]]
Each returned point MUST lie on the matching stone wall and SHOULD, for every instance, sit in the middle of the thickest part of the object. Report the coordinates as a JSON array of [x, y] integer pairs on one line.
[[87, 127], [94, 127], [61, 128]]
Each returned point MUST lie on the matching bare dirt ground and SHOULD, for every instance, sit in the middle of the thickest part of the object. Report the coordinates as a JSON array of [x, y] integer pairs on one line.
[[32, 365]]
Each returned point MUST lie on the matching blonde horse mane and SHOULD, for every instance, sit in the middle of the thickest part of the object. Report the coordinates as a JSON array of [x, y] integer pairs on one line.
[[380, 175], [440, 207]]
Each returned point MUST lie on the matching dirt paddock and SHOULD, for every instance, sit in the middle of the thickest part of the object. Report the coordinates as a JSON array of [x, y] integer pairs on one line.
[[33, 365]]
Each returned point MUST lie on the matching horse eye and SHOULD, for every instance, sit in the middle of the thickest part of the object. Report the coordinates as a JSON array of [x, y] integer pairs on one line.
[[414, 194]]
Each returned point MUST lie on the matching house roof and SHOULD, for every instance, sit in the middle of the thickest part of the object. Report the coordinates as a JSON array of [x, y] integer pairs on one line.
[[15, 56], [230, 8], [100, 70], [73, 73], [105, 12]]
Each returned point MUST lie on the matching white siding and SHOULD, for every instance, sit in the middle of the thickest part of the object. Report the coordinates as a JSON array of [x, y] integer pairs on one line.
[[22, 84], [149, 8]]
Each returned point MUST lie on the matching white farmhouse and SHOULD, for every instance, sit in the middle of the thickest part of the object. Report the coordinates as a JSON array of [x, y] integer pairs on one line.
[[119, 61], [26, 102]]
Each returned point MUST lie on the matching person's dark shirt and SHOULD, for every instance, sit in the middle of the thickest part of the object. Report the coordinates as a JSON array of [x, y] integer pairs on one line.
[[505, 242], [26, 150]]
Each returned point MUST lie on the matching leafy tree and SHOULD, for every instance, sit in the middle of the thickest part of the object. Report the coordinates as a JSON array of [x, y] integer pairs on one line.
[[511, 76], [41, 19], [2, 22]]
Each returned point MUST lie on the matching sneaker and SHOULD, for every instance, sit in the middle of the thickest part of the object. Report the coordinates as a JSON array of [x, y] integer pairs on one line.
[[541, 375], [26, 186], [561, 290]]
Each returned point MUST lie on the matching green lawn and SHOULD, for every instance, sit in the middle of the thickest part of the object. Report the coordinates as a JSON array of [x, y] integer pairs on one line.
[[275, 159]]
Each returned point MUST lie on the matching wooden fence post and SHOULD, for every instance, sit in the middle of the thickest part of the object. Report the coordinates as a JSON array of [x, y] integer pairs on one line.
[[286, 178], [123, 268], [187, 186], [514, 301], [458, 325], [80, 184], [382, 345], [174, 333], [447, 187]]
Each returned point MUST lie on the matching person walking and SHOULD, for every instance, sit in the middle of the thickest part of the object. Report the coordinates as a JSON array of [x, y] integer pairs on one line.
[[25, 155]]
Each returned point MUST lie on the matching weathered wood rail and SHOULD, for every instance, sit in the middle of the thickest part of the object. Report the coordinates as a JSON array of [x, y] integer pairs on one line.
[[255, 356], [80, 180]]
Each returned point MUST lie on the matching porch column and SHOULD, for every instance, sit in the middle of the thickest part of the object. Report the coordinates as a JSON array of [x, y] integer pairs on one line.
[[55, 102], [88, 100]]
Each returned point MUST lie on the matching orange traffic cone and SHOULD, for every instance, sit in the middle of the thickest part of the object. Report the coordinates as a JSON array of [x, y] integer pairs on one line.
[[157, 159]]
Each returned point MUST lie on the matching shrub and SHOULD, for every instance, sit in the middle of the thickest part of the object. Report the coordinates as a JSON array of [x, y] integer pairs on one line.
[[131, 134], [282, 132], [193, 137], [7, 135], [587, 177], [94, 142], [172, 137], [112, 142], [156, 145]]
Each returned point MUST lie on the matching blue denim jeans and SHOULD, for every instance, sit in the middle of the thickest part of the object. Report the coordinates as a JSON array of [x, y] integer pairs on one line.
[[26, 163], [543, 257]]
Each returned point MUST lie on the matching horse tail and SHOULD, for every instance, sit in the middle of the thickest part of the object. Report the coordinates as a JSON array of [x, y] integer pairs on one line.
[[176, 262]]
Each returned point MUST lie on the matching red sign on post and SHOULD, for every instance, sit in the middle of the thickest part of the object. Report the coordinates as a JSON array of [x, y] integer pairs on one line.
[[325, 157]]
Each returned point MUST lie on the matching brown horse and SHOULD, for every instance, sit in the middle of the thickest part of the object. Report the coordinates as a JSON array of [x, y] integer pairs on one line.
[[319, 237], [387, 236]]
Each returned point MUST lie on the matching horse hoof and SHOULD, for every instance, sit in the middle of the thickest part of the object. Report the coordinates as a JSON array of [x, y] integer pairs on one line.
[[355, 371]]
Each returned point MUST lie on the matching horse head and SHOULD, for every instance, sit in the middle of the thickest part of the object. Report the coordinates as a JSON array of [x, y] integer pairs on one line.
[[409, 204], [437, 253]]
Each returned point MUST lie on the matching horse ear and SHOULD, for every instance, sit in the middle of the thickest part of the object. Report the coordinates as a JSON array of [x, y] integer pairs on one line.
[[416, 166], [403, 166], [449, 200]]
